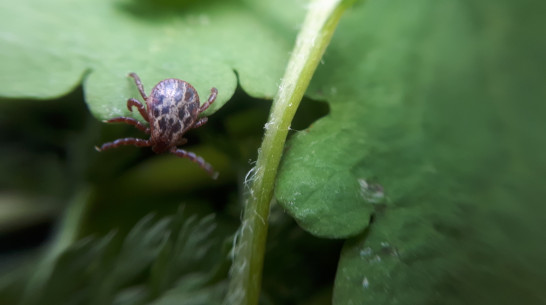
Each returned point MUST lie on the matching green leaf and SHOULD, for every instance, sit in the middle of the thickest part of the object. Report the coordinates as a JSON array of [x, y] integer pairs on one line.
[[138, 251], [48, 47], [157, 257], [190, 290], [435, 135], [188, 244], [72, 269]]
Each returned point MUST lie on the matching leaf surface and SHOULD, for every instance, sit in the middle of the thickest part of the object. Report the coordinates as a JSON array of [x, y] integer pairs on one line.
[[430, 156], [49, 47]]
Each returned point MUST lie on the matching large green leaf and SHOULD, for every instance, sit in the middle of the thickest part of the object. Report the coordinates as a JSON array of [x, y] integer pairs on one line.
[[435, 133], [370, 78], [47, 47]]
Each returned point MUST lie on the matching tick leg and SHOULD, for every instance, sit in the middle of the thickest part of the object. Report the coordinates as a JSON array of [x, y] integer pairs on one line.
[[212, 97], [139, 85], [193, 157], [200, 123], [129, 121], [133, 102], [124, 142]]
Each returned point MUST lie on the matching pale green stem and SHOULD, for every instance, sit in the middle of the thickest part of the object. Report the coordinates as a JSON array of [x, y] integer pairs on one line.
[[316, 32]]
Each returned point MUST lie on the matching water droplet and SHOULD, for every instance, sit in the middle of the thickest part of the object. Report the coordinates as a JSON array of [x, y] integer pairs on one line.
[[365, 282], [371, 192], [366, 251]]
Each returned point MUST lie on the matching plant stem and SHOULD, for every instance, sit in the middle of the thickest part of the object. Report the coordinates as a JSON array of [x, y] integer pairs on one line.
[[317, 30]]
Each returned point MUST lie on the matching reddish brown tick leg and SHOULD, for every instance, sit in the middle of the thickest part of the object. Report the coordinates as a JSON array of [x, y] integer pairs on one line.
[[133, 102], [193, 157], [200, 123], [212, 97], [139, 85], [129, 121], [124, 142]]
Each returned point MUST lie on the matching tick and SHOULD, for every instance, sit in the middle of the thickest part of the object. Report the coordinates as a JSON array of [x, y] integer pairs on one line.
[[171, 110]]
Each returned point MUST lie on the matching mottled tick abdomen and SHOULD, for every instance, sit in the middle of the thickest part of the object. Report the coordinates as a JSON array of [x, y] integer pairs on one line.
[[173, 108]]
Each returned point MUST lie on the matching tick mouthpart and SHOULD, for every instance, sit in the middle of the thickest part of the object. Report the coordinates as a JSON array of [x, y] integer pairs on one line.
[[98, 149]]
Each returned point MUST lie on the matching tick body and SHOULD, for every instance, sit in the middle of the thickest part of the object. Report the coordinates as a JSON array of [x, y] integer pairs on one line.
[[171, 110]]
